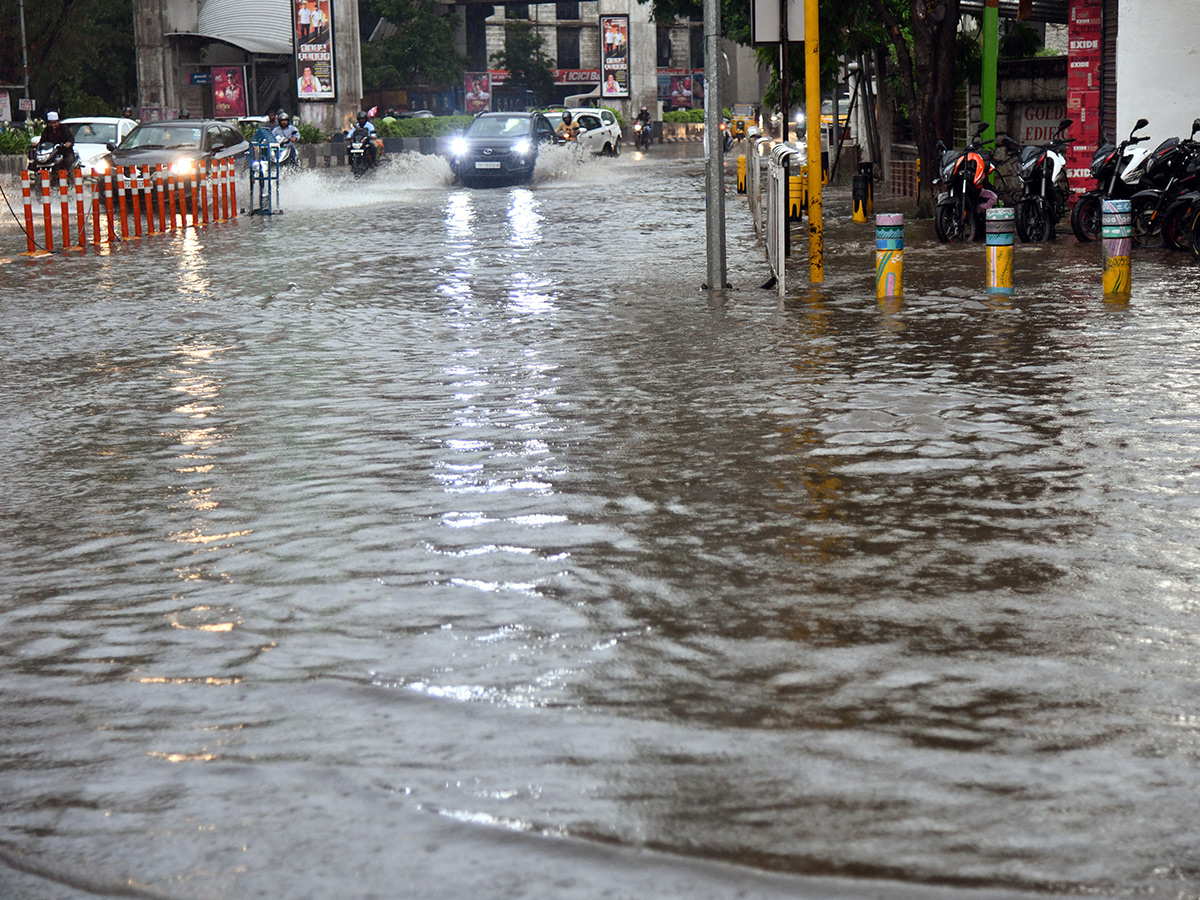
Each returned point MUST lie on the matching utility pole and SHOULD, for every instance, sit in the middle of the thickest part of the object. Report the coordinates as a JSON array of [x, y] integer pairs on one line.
[[812, 92], [714, 169], [24, 49]]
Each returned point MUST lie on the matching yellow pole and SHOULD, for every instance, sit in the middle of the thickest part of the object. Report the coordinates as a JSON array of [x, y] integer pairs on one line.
[[812, 103]]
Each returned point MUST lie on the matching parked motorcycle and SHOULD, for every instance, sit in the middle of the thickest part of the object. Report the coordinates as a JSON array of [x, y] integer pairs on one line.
[[1117, 170], [1043, 172], [641, 136], [967, 193], [363, 156], [1168, 174]]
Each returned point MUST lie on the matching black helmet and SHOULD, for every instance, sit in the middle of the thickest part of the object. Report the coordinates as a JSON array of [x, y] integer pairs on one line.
[[567, 116], [362, 115]]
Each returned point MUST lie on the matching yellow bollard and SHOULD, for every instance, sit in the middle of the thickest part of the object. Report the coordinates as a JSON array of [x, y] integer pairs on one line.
[[741, 174], [859, 188], [1001, 226], [1117, 236], [797, 201], [889, 255]]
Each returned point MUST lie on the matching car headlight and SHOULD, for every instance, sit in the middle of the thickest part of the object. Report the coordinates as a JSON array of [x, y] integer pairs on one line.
[[459, 146], [522, 147], [100, 166], [183, 166]]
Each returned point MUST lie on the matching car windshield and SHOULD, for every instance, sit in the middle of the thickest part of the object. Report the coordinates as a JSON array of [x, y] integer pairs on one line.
[[499, 126], [171, 136], [93, 132]]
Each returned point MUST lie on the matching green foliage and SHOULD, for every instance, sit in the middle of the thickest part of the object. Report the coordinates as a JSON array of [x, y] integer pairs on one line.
[[528, 67], [684, 116], [617, 113], [1019, 41], [311, 134], [81, 54], [418, 128], [421, 51], [15, 140]]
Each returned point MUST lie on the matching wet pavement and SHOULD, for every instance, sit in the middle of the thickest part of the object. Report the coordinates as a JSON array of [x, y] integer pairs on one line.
[[430, 542]]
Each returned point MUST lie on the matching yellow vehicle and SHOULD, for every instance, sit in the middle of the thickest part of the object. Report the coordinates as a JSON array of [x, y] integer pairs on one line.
[[742, 116]]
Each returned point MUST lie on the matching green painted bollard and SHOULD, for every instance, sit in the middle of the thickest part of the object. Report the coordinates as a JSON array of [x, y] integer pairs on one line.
[[1001, 227], [1116, 232], [889, 255]]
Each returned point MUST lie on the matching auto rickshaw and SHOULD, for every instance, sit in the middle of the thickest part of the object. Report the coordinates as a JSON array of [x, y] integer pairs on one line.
[[742, 116]]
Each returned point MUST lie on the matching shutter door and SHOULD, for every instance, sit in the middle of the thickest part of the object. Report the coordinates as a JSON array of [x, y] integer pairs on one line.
[[1108, 71]]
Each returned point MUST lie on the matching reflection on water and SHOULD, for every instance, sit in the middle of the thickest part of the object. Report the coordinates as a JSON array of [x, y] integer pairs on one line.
[[419, 499]]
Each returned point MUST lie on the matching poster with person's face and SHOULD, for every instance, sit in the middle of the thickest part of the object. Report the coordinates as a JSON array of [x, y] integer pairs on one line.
[[614, 59], [228, 91], [478, 93], [313, 22]]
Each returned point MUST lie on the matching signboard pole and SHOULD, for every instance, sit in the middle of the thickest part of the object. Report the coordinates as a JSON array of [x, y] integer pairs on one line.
[[24, 49], [991, 59], [715, 157], [812, 90]]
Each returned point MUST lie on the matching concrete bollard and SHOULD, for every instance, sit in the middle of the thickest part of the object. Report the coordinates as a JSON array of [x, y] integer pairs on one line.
[[859, 187], [1117, 237], [868, 169], [796, 200], [1001, 231], [741, 174], [889, 255]]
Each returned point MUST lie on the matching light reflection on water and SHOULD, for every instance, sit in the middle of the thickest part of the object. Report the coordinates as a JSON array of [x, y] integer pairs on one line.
[[418, 499]]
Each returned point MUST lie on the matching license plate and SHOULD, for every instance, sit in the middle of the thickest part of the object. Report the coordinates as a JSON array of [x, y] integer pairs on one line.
[[487, 165]]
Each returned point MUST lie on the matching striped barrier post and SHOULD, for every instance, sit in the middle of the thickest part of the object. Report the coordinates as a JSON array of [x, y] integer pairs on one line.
[[195, 198], [202, 183], [96, 213], [136, 197], [1117, 237], [46, 215], [1001, 227], [172, 197], [80, 219], [148, 196], [64, 209], [120, 187], [162, 201], [226, 172], [27, 196], [889, 255], [233, 190], [110, 181]]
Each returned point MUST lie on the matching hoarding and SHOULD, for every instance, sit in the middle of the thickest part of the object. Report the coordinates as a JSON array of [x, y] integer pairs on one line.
[[614, 61], [313, 22]]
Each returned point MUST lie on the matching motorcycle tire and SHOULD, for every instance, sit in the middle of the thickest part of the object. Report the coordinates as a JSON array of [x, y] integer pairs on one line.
[[1193, 232], [1033, 220], [1148, 225], [943, 222], [1085, 218], [1175, 230]]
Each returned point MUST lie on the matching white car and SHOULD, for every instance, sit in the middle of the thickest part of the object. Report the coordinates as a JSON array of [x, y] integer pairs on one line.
[[92, 137], [598, 131]]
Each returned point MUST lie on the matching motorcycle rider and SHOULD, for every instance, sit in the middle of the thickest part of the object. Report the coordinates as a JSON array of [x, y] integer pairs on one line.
[[567, 129], [364, 121], [285, 130], [55, 133], [643, 117]]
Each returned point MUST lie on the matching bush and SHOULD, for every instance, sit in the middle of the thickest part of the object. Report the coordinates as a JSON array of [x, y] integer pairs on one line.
[[15, 140], [617, 113], [685, 115], [438, 126], [311, 134]]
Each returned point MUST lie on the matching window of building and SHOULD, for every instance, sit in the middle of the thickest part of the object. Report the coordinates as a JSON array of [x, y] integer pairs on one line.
[[517, 10], [697, 54], [567, 9], [568, 48], [664, 46]]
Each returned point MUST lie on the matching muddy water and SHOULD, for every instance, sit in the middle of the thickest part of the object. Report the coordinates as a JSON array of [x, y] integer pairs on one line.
[[425, 542]]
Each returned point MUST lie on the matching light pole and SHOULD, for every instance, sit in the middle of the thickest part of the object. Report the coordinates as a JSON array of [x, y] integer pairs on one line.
[[24, 48]]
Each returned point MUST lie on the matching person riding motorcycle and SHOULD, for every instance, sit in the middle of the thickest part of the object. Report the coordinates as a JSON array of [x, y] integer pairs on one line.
[[643, 116], [568, 130], [642, 136], [364, 121], [288, 136], [56, 134]]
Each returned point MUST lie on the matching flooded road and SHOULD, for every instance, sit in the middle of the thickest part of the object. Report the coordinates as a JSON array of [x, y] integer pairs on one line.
[[440, 543]]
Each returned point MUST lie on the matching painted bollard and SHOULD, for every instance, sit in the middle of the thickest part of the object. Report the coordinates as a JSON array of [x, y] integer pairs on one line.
[[741, 174], [1001, 229], [859, 188], [1116, 232], [889, 255]]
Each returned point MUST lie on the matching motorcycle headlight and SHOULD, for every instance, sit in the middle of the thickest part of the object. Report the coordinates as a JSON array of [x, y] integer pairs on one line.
[[183, 166], [459, 146], [522, 147]]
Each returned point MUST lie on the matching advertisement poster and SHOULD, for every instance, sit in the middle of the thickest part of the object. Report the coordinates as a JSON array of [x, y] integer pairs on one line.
[[1083, 88], [228, 92], [614, 62], [680, 89], [314, 50], [478, 93]]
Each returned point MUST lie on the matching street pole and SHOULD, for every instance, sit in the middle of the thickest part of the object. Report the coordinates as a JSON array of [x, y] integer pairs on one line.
[[812, 102], [991, 54], [714, 170], [24, 51]]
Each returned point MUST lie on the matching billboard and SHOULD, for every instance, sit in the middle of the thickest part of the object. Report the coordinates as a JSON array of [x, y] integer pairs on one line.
[[681, 88], [614, 61], [478, 96], [313, 33], [228, 91]]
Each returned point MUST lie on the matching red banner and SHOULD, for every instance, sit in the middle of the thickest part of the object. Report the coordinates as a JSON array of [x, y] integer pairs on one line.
[[1084, 35]]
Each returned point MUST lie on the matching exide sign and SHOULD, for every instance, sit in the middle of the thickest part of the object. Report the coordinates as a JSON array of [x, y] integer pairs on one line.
[[1078, 45]]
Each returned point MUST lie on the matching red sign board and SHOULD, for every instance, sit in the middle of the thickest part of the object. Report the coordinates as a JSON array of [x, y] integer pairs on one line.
[[1084, 48]]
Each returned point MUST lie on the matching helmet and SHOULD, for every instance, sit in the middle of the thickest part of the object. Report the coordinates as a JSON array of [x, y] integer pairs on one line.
[[567, 116], [280, 113], [284, 118], [362, 115], [643, 109]]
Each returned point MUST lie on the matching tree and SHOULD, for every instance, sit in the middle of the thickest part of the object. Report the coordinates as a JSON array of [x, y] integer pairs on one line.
[[419, 51], [528, 67]]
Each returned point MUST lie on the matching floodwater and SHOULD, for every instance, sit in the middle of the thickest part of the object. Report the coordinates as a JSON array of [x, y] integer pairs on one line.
[[425, 542]]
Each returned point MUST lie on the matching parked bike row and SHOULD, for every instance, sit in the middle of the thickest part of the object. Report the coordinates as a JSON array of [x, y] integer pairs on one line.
[[1162, 185]]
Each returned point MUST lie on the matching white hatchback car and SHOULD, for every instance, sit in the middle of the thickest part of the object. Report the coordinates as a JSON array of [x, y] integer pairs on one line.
[[92, 137], [598, 131]]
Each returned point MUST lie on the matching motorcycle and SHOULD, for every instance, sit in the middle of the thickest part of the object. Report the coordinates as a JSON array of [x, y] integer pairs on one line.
[[968, 194], [1117, 170], [1169, 172], [362, 152], [1042, 169], [641, 136], [53, 158]]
